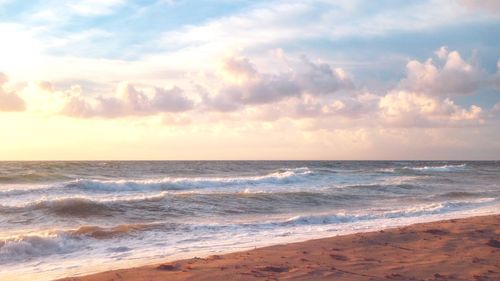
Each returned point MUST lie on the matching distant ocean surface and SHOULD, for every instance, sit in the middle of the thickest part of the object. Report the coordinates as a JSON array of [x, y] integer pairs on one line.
[[66, 218]]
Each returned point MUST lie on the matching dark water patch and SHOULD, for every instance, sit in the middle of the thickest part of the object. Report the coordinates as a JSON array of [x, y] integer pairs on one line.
[[78, 207], [97, 232], [459, 194], [31, 177]]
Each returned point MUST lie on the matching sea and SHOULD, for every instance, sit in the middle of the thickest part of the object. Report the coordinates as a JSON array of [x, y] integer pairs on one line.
[[60, 219]]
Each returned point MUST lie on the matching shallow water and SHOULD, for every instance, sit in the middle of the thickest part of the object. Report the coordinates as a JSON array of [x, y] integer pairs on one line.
[[66, 218]]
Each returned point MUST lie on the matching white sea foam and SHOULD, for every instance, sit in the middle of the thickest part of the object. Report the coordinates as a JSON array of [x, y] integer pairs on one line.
[[63, 241], [340, 217], [281, 176], [58, 241], [442, 168], [414, 211], [30, 246], [84, 205], [179, 183]]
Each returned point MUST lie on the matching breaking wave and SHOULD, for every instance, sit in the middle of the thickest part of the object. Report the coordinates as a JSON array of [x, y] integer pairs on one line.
[[25, 247], [62, 241], [31, 246], [97, 232], [171, 183], [79, 206], [443, 168], [416, 211], [282, 176]]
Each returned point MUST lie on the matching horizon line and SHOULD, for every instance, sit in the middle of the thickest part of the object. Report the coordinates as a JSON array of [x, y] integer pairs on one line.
[[251, 160]]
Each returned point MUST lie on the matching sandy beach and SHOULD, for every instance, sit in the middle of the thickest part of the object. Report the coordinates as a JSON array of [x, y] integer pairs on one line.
[[459, 249]]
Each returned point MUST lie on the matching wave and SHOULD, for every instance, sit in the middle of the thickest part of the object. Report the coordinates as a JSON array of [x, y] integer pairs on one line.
[[106, 205], [279, 177], [443, 168], [283, 176], [386, 184], [30, 246], [71, 206], [20, 189], [98, 232], [64, 241], [25, 247], [416, 211], [79, 206]]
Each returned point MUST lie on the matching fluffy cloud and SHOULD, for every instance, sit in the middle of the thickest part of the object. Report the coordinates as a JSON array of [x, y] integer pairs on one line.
[[354, 106], [455, 77], [320, 78], [244, 85], [410, 109], [9, 100], [127, 101], [301, 90]]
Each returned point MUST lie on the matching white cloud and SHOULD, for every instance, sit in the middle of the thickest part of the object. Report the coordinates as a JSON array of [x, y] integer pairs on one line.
[[9, 100], [93, 7], [128, 101], [442, 52], [492, 6], [275, 24], [303, 90], [244, 85], [410, 109], [455, 77]]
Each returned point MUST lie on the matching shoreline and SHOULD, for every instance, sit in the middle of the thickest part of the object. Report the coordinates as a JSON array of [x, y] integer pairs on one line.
[[454, 249]]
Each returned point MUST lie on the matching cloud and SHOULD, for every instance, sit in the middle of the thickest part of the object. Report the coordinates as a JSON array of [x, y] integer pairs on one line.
[[9, 100], [355, 106], [57, 12], [492, 6], [239, 69], [496, 109], [495, 80], [45, 86], [442, 52], [3, 79], [410, 109], [245, 85], [320, 78], [455, 77], [128, 101], [93, 7], [299, 89], [275, 23]]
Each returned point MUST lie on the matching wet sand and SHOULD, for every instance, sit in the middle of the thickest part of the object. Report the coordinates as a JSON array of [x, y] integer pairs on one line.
[[460, 249]]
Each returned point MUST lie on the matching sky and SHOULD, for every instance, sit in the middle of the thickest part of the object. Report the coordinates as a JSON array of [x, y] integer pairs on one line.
[[252, 80]]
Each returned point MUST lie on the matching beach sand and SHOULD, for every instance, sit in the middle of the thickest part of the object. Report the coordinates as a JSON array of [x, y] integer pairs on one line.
[[460, 249]]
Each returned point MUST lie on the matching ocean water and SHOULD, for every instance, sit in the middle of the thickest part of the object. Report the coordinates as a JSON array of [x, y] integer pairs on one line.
[[69, 218]]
